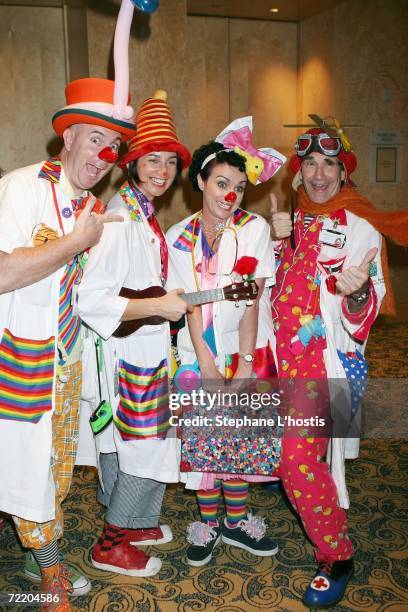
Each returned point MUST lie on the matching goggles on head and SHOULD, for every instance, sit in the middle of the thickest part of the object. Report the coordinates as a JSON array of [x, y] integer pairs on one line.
[[322, 143]]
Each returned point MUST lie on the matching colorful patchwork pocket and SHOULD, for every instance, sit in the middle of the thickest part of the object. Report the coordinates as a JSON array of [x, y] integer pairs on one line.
[[26, 377], [143, 412], [356, 369]]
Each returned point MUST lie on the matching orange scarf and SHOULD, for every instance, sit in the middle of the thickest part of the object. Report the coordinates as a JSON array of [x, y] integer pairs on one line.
[[392, 224]]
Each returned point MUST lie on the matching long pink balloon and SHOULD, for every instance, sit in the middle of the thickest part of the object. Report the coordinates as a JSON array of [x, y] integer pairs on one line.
[[121, 60]]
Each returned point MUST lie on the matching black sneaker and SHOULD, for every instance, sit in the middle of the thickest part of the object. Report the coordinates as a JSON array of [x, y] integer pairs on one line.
[[203, 538], [249, 534]]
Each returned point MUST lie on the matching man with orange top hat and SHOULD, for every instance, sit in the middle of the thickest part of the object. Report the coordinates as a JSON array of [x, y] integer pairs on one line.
[[331, 279], [43, 242], [137, 454]]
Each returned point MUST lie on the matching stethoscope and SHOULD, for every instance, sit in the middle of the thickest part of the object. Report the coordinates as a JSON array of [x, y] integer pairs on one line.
[[218, 235]]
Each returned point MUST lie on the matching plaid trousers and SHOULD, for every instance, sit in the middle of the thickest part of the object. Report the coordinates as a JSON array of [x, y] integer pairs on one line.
[[65, 422]]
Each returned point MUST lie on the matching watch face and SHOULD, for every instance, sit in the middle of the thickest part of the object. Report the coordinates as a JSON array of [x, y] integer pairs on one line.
[[248, 357], [360, 297]]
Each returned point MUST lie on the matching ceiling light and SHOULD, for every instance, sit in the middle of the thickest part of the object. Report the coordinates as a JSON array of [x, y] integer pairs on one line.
[[274, 10]]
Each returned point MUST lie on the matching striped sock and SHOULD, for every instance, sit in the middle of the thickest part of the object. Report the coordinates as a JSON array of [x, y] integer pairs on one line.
[[111, 536], [235, 496], [47, 556], [208, 503]]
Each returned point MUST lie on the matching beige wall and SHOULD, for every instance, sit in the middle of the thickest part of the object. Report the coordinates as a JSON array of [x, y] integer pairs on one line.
[[32, 77], [356, 69], [208, 78], [263, 64], [352, 64], [239, 67], [157, 61]]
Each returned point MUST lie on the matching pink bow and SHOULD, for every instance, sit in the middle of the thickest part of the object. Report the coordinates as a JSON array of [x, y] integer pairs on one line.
[[242, 138]]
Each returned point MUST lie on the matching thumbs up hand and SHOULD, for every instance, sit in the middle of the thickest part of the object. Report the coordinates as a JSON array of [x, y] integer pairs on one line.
[[281, 223], [355, 279]]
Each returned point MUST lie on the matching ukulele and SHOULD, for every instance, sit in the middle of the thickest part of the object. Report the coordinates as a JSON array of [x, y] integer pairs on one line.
[[246, 290]]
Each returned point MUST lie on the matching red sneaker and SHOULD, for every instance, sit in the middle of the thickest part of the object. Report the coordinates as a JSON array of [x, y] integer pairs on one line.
[[149, 537], [124, 559]]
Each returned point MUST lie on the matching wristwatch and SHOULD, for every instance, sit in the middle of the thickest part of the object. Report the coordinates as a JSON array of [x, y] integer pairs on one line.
[[248, 357], [360, 297]]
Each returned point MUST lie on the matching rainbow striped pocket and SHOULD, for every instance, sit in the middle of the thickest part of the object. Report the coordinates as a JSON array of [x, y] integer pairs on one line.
[[143, 412], [26, 377]]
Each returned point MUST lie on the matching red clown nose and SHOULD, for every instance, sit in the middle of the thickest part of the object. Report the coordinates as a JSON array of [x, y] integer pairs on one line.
[[108, 155], [230, 197]]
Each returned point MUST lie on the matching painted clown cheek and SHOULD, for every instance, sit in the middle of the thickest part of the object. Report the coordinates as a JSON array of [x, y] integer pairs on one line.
[[230, 197], [108, 155]]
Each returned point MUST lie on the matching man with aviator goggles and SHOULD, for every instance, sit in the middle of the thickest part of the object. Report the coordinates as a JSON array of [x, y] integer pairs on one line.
[[329, 284]]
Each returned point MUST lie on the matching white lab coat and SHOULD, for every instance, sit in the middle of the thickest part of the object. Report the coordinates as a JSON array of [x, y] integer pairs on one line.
[[31, 313], [128, 255]]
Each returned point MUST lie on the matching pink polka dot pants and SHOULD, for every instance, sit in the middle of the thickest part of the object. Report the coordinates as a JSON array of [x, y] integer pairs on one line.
[[313, 494]]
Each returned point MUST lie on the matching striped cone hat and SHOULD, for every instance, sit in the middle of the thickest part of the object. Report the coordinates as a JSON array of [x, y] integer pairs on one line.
[[155, 131]]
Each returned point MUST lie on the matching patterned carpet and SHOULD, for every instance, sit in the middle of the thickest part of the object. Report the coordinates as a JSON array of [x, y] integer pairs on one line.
[[236, 581]]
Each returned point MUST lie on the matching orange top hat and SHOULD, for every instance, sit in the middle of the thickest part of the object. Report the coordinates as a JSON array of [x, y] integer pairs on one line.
[[91, 101], [155, 131]]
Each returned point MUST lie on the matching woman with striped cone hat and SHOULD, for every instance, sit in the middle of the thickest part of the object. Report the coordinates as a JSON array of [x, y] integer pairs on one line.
[[136, 454]]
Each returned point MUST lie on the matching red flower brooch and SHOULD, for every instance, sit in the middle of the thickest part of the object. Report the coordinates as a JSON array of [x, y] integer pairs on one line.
[[246, 266], [331, 284]]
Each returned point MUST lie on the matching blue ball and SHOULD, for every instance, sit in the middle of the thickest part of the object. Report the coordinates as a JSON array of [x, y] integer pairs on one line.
[[146, 6]]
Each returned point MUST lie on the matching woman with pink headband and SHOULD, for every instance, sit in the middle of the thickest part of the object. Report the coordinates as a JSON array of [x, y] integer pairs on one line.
[[226, 340]]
